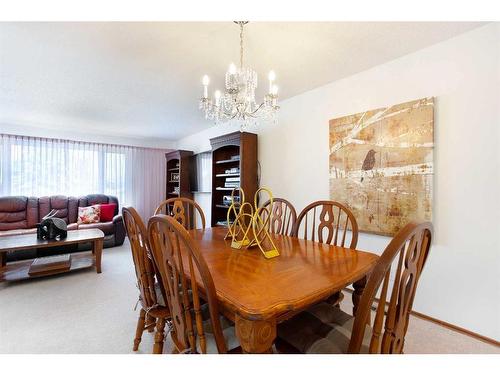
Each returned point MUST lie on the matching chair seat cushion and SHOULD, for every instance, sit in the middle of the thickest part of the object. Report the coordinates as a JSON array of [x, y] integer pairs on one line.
[[159, 296], [322, 329]]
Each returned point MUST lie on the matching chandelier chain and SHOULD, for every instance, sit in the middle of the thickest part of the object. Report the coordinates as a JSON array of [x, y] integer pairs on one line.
[[241, 44]]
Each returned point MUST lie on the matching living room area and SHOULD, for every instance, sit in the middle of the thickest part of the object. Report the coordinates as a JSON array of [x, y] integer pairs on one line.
[[291, 185]]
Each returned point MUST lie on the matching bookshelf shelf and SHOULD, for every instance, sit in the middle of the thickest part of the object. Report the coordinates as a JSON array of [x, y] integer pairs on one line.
[[224, 148], [178, 163], [227, 175], [227, 161]]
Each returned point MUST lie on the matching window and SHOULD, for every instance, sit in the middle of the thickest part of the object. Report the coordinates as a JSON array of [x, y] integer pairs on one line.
[[50, 170], [38, 166], [114, 175]]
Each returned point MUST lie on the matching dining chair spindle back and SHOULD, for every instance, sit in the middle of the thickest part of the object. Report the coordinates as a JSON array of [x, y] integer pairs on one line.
[[324, 328], [186, 211], [328, 222], [174, 252], [283, 216]]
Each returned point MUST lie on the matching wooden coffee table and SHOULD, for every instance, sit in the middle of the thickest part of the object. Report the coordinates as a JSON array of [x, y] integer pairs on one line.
[[20, 270]]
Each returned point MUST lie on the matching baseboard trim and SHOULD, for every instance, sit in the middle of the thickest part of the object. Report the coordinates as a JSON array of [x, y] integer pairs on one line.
[[453, 327]]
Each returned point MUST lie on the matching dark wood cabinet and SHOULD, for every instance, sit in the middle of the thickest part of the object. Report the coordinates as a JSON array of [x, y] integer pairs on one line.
[[178, 174], [234, 163]]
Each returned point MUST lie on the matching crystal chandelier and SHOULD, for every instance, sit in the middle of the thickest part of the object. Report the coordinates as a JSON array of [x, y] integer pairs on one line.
[[237, 102]]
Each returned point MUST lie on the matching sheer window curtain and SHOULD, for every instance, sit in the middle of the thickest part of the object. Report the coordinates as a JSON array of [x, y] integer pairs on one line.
[[38, 166]]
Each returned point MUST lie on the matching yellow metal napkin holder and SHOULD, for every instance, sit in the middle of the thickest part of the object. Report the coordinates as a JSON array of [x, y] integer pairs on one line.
[[250, 225]]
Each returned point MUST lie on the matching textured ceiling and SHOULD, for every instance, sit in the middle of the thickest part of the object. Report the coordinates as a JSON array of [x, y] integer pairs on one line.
[[143, 79]]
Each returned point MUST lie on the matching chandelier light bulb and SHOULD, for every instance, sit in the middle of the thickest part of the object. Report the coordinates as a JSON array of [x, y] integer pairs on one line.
[[217, 94], [272, 77], [205, 81], [232, 68], [274, 90]]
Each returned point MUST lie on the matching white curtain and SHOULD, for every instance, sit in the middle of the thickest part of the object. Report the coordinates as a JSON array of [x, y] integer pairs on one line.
[[204, 172], [38, 166]]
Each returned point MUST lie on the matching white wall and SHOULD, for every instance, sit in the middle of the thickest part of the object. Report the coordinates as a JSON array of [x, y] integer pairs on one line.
[[461, 283]]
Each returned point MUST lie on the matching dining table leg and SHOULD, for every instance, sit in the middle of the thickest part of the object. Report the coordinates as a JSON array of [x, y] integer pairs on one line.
[[358, 286], [255, 336]]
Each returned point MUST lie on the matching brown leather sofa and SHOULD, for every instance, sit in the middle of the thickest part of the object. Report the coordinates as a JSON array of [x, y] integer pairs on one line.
[[20, 215]]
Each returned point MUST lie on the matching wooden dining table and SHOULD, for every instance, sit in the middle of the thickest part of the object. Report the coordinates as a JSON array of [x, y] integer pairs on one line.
[[258, 293]]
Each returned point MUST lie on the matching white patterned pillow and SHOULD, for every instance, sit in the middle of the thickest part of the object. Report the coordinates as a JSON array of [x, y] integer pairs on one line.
[[89, 215]]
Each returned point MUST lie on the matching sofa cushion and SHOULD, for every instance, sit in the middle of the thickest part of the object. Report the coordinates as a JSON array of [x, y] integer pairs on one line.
[[89, 215], [13, 204], [91, 199], [66, 207], [72, 209], [18, 212], [107, 228], [73, 226], [108, 212], [32, 211]]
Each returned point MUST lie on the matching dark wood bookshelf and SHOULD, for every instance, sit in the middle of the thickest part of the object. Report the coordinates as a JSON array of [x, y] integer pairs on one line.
[[178, 162], [234, 150]]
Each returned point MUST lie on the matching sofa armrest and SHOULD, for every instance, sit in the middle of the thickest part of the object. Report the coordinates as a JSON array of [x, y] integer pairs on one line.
[[119, 230]]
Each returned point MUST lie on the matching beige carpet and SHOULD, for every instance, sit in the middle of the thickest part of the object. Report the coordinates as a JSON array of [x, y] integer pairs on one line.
[[85, 312]]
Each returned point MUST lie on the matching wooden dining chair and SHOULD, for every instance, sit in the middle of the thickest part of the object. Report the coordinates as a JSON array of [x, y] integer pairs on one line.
[[197, 326], [151, 296], [327, 329], [331, 223], [328, 222], [283, 216], [185, 211]]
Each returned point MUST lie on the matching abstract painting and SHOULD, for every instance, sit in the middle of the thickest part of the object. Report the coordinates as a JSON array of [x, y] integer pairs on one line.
[[381, 165]]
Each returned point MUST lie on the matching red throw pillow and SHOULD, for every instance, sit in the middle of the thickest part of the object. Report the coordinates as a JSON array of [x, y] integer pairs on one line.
[[107, 211]]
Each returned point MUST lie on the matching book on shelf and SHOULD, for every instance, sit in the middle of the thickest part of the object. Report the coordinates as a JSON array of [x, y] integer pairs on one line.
[[227, 200], [223, 223], [232, 171], [232, 184], [232, 179]]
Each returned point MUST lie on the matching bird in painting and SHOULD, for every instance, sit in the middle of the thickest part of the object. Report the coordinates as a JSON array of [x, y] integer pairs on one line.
[[368, 163]]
